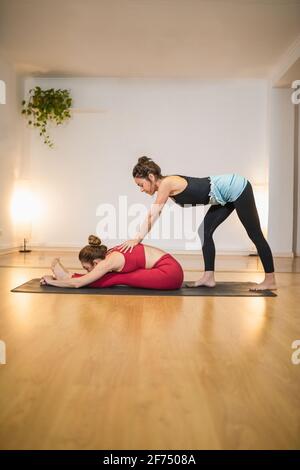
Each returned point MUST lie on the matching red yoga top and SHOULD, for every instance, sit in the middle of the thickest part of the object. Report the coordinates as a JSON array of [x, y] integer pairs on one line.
[[134, 260]]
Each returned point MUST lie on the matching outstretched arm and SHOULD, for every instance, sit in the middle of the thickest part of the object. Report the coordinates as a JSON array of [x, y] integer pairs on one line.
[[112, 262], [162, 196]]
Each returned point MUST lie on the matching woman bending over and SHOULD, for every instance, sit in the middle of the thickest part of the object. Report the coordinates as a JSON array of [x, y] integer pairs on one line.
[[145, 267]]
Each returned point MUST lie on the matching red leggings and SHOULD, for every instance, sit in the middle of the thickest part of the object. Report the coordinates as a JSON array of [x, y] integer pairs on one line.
[[165, 274]]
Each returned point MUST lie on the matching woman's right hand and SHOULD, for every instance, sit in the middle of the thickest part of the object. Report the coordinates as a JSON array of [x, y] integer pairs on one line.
[[129, 245]]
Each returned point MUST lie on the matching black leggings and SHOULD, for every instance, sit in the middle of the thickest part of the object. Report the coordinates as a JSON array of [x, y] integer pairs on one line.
[[247, 212]]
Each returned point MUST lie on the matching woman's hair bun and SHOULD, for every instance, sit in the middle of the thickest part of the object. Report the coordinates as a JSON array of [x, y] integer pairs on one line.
[[144, 167], [94, 241], [143, 160], [94, 250]]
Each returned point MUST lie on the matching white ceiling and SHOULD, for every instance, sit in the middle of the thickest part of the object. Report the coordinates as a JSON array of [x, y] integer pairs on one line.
[[212, 39]]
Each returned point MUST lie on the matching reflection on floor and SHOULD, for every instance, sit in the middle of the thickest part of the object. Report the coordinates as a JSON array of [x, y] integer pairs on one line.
[[93, 372]]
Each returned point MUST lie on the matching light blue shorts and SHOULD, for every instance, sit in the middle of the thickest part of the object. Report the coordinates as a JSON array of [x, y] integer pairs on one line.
[[226, 188]]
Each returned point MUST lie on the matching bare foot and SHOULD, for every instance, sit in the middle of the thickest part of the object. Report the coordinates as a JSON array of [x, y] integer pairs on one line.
[[269, 283], [200, 283], [207, 280], [264, 286], [58, 270]]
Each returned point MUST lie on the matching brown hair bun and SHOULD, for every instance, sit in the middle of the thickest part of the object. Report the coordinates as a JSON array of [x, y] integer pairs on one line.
[[143, 160], [94, 241], [94, 250], [144, 167]]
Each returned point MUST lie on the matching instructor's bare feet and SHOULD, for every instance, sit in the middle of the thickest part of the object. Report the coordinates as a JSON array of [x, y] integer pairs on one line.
[[58, 270], [207, 280], [269, 283]]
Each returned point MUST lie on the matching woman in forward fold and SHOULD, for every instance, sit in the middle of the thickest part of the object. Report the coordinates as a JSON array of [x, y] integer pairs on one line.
[[145, 267]]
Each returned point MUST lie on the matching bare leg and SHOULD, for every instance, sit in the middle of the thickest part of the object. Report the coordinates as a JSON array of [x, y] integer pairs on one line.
[[59, 271]]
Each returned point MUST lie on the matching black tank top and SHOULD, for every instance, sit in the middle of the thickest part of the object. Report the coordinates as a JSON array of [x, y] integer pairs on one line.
[[196, 192]]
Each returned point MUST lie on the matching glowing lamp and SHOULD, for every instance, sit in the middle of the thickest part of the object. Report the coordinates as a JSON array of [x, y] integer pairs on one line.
[[24, 209]]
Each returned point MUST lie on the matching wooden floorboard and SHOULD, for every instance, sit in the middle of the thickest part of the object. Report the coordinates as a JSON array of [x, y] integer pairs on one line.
[[92, 372]]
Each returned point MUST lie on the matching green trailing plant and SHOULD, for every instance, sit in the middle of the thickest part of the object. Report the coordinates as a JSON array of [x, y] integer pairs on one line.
[[44, 106]]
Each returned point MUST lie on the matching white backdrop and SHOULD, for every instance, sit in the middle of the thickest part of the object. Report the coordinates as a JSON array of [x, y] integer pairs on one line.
[[188, 127]]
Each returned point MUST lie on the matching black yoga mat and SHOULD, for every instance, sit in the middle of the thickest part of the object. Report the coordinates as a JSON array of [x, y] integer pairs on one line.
[[222, 289]]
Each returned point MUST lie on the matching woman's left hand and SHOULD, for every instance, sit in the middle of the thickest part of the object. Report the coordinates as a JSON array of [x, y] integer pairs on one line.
[[129, 245]]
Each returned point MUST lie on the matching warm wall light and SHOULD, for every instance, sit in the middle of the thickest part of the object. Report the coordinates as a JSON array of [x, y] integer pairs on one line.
[[2, 92], [24, 209], [261, 195]]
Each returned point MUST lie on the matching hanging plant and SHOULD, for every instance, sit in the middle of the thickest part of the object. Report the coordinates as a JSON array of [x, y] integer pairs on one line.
[[44, 106]]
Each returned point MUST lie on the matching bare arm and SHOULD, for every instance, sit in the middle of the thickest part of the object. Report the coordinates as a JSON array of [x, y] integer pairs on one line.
[[112, 262], [163, 194]]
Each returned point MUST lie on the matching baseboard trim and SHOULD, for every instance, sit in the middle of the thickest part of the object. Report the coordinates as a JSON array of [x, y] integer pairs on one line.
[[231, 253], [9, 249], [288, 254], [70, 248]]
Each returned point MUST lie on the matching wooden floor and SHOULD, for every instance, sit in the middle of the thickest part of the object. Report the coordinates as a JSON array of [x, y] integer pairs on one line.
[[92, 372]]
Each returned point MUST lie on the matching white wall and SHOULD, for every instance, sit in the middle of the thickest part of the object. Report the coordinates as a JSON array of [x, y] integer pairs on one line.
[[189, 127], [10, 150], [280, 231]]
